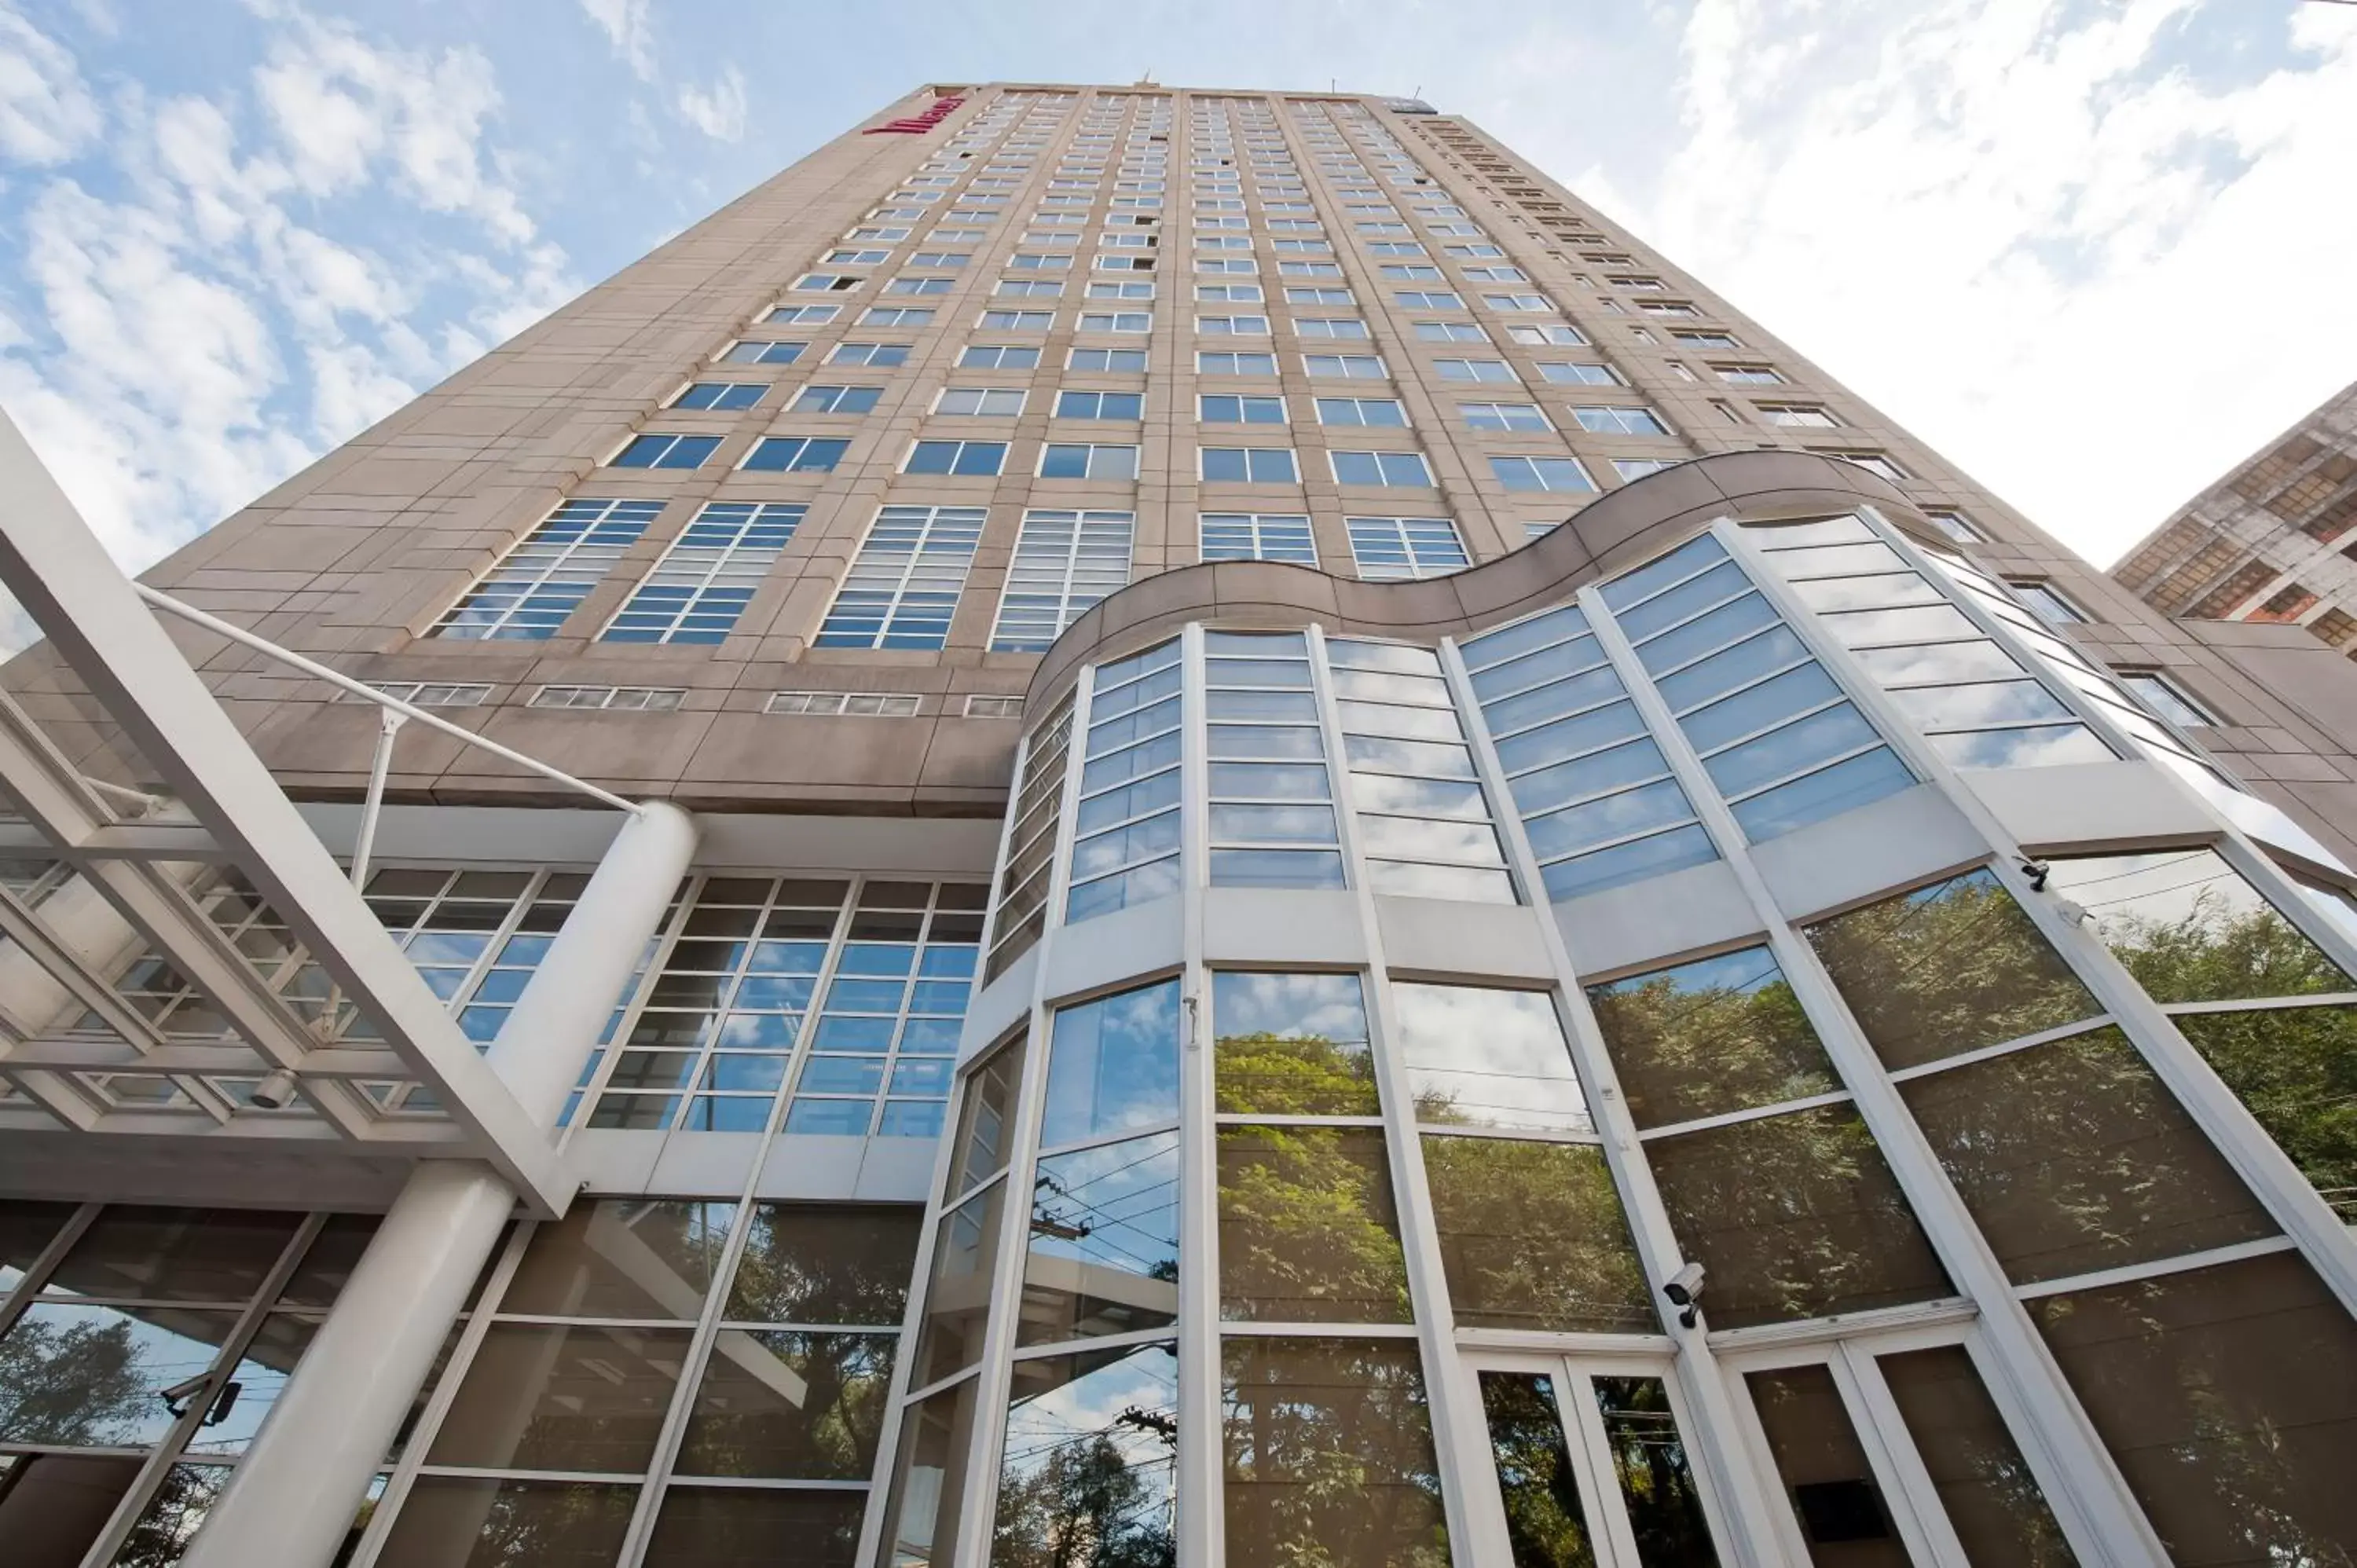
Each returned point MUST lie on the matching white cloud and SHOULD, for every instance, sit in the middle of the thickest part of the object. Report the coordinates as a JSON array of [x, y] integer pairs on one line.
[[249, 279], [2090, 278], [47, 115], [718, 112], [628, 27]]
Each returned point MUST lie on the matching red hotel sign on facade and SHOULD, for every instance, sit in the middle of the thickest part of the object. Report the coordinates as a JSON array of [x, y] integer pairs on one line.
[[917, 124]]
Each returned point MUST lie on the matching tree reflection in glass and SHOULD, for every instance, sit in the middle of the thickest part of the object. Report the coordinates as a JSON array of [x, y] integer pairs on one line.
[[1103, 1255], [1308, 1233], [957, 1294], [2191, 930], [1948, 969], [1985, 1485], [1328, 1456], [2296, 1069], [1717, 1034], [75, 1376], [776, 1402], [1089, 1476], [1479, 1058], [2073, 1156], [1546, 1527], [1533, 1236], [1292, 1044], [623, 1258], [826, 1262], [1113, 1065], [1793, 1216], [1657, 1482], [491, 1522]]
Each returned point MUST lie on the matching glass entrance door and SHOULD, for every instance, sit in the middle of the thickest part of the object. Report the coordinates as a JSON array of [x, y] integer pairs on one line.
[[1890, 1453], [1591, 1465]]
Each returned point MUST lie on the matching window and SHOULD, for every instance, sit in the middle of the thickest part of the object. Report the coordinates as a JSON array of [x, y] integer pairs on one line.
[[1393, 468], [665, 452], [1120, 290], [724, 397], [1497, 275], [795, 454], [1472, 371], [1017, 320], [1032, 264], [846, 704], [1875, 463], [526, 595], [1329, 327], [695, 593], [1312, 293], [1410, 272], [1217, 408], [882, 356], [1427, 299], [836, 400], [938, 258], [923, 285], [1233, 326], [824, 283], [1059, 460], [427, 694], [1000, 356], [1255, 536], [1554, 334], [1541, 474], [1107, 359], [896, 316], [1227, 293], [1638, 467], [1116, 321], [1797, 417], [1222, 362], [611, 698], [763, 351], [1388, 547], [1099, 405], [1582, 375], [986, 705], [1667, 308], [1618, 420], [1003, 403], [1707, 340], [1954, 524], [802, 315], [903, 586], [2165, 697], [2047, 602], [1503, 416], [1249, 465], [1744, 375], [1474, 253], [964, 458], [1226, 265], [1027, 288], [1517, 302], [1064, 561], [1344, 367]]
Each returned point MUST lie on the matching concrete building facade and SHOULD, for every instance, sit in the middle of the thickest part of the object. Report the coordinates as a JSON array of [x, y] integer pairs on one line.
[[1140, 826]]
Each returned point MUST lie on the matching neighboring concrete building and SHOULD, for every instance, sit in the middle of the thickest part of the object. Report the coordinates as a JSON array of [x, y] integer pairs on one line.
[[1212, 833], [2271, 541]]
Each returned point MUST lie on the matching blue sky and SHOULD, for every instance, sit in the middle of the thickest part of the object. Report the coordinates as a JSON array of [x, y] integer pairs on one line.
[[233, 234]]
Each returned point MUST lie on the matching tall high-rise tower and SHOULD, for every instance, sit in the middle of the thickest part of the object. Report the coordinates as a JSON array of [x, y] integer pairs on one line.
[[1140, 826]]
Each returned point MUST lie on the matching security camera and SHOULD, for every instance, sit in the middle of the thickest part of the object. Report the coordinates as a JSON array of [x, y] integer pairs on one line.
[[275, 1092], [1685, 1291], [176, 1398], [2037, 871]]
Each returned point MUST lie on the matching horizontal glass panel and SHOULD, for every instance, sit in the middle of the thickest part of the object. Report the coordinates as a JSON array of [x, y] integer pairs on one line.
[[1139, 841], [1616, 816], [1428, 759], [1793, 1217], [1130, 800], [1091, 1456], [1410, 724], [1308, 1233], [1270, 780], [1511, 641], [776, 1402], [1948, 969], [1783, 536], [557, 1397], [2074, 1157], [1702, 1038], [2041, 746], [1715, 630], [175, 1255], [1722, 672], [1290, 707], [1839, 560], [1111, 703], [1398, 658], [1978, 660], [1827, 792], [1373, 686], [1923, 623], [1827, 732], [699, 1526], [1980, 703], [1276, 868], [1569, 695], [1689, 598], [1134, 763], [1280, 673], [1478, 1057], [1414, 838], [1533, 1236], [496, 1520], [1112, 1065], [1139, 884], [1413, 879], [1272, 825], [1256, 644], [1130, 728], [2292, 1067], [1418, 797], [623, 1258], [1625, 863], [1271, 741], [93, 1376], [1572, 658], [1632, 586], [1886, 590], [1591, 775]]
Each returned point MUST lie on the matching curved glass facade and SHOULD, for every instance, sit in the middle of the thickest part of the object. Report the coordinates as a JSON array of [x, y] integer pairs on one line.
[[1613, 1088]]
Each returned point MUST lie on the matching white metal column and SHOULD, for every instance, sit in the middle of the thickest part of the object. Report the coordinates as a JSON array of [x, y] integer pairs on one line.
[[291, 1500]]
